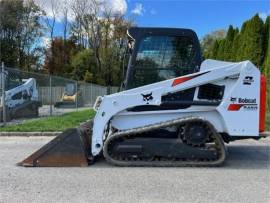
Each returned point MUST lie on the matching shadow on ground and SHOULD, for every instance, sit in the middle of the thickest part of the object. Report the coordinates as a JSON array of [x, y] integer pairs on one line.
[[248, 157]]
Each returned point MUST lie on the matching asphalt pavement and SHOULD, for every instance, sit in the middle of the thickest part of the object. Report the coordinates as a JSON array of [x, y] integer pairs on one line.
[[245, 177]]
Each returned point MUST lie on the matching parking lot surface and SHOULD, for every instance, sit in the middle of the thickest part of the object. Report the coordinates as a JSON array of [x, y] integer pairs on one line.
[[245, 177]]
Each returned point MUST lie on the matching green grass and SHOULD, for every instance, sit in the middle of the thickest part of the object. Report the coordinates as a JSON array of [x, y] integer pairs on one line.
[[267, 123], [51, 124]]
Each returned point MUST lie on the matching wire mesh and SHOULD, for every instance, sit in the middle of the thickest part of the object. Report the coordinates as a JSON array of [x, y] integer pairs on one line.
[[56, 95]]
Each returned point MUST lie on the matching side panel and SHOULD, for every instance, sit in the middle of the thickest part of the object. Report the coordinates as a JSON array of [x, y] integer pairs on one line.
[[126, 120], [240, 108]]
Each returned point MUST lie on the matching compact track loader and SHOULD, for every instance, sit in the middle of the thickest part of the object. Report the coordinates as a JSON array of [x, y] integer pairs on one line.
[[175, 110], [21, 97], [71, 98]]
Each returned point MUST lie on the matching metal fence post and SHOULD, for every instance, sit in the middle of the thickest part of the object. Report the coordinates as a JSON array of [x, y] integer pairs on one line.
[[3, 93], [76, 98], [50, 95], [91, 95]]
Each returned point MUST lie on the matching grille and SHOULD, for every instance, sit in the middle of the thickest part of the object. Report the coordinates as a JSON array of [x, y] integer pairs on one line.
[[211, 92]]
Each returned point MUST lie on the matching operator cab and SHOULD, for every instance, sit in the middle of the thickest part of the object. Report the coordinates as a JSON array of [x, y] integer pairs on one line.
[[158, 54], [70, 89]]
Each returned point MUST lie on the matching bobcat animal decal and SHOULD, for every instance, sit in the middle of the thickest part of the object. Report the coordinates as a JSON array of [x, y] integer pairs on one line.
[[147, 97], [233, 99]]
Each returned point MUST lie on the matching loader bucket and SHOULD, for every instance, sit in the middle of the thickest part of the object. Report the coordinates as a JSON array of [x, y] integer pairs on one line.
[[70, 148]]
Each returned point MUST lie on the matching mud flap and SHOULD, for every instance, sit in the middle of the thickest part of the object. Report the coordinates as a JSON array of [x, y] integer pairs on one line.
[[70, 148]]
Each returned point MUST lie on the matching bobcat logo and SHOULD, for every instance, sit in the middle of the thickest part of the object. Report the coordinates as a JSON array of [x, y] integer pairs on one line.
[[248, 80], [147, 97], [233, 99]]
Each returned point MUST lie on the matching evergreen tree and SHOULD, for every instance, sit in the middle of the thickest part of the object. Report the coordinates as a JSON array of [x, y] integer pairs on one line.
[[228, 43], [251, 47], [214, 50], [221, 50], [209, 40], [235, 45], [240, 43], [266, 63]]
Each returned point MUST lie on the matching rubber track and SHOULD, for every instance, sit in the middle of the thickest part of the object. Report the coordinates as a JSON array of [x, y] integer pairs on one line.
[[157, 163]]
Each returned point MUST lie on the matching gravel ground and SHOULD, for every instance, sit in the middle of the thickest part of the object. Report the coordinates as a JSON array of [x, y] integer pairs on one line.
[[245, 177]]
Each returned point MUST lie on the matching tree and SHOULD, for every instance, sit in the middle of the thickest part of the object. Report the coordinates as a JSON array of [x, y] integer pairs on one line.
[[98, 28], [113, 44], [65, 10], [65, 21], [84, 68], [88, 77], [209, 40], [87, 16], [221, 49], [228, 44], [248, 44], [214, 50], [235, 45], [20, 30], [251, 38], [79, 9], [49, 18], [59, 63], [266, 63]]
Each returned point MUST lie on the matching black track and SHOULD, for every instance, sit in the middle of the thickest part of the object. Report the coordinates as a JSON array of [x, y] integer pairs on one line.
[[176, 158]]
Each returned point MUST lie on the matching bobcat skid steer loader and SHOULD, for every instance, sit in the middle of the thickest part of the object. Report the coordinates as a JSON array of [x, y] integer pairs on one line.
[[71, 98], [21, 97], [175, 110]]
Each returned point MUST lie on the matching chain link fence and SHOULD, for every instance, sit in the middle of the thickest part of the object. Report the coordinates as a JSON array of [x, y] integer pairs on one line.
[[31, 94]]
